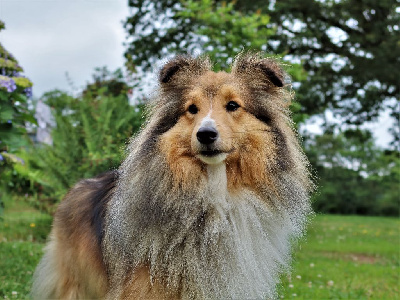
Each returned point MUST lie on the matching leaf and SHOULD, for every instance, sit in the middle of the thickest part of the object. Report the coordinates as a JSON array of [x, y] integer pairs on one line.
[[6, 113]]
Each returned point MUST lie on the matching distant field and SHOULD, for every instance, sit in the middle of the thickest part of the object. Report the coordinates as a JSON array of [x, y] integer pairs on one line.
[[343, 257]]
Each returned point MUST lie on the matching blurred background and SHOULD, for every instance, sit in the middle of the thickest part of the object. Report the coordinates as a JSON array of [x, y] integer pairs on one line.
[[74, 77]]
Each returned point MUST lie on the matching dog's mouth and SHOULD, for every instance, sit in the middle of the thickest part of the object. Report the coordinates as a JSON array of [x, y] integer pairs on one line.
[[211, 153], [212, 157]]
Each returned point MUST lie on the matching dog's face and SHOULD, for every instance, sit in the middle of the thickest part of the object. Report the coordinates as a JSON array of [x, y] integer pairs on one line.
[[220, 121], [213, 125]]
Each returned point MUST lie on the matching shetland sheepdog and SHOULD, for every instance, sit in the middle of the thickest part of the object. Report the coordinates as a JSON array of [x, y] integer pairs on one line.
[[211, 195]]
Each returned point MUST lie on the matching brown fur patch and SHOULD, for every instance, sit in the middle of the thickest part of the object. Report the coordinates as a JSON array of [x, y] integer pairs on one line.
[[80, 258], [76, 257], [141, 286], [185, 168]]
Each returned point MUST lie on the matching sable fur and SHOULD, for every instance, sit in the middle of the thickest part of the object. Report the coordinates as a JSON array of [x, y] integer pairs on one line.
[[169, 226], [72, 267]]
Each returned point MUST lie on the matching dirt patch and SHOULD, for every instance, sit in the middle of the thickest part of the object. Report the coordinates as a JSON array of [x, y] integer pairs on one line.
[[355, 257]]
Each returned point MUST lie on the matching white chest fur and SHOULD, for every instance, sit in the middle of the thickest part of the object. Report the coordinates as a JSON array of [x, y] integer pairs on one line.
[[244, 245]]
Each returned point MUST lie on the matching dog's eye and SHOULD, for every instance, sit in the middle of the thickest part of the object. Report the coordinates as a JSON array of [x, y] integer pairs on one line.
[[232, 106], [193, 109]]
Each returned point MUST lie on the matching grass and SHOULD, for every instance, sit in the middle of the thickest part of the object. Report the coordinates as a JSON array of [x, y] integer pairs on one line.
[[23, 232], [346, 257], [343, 257]]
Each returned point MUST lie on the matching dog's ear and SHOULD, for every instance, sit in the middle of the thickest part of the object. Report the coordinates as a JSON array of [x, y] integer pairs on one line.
[[272, 71], [258, 70], [172, 67], [266, 83], [183, 67]]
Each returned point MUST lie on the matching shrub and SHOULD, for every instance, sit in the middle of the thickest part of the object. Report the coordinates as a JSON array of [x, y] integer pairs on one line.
[[15, 90], [89, 137]]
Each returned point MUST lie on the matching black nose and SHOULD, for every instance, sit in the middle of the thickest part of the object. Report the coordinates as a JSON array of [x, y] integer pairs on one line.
[[207, 135]]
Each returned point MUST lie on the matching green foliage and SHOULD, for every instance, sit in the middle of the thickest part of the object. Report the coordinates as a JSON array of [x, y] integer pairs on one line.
[[88, 138], [22, 222], [349, 49], [15, 91], [192, 26], [18, 262], [217, 28], [356, 177], [395, 129], [222, 31]]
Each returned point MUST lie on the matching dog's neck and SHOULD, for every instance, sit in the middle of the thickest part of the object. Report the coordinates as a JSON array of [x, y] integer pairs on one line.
[[217, 180]]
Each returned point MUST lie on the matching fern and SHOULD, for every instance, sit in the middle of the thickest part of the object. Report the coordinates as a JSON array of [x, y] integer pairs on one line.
[[90, 133]]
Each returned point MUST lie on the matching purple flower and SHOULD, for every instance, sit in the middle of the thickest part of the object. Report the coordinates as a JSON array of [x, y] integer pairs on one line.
[[8, 83], [28, 92], [1, 157]]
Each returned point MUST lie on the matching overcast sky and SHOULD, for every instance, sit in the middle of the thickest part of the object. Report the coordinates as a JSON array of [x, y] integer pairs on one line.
[[52, 37]]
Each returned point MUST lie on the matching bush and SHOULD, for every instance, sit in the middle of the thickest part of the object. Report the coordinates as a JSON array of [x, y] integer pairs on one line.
[[89, 137], [15, 91]]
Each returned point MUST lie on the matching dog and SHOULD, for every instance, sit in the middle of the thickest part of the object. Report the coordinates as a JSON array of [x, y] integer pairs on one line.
[[207, 203]]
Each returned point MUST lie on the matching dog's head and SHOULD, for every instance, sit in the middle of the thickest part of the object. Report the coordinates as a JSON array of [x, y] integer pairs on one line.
[[238, 118]]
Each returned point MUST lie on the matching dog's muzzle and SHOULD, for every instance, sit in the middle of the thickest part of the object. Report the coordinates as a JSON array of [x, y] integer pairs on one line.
[[208, 136]]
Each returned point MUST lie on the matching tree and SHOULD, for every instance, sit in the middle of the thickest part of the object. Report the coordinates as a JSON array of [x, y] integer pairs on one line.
[[355, 176], [348, 48], [190, 26]]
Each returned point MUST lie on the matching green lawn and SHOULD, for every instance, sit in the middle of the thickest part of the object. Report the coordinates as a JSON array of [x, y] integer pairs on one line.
[[23, 232], [347, 257], [342, 257]]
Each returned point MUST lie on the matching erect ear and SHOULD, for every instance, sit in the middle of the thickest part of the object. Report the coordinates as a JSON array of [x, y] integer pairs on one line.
[[256, 69], [183, 65]]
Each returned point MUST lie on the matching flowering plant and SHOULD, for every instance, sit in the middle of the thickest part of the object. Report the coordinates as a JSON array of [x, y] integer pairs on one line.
[[15, 90]]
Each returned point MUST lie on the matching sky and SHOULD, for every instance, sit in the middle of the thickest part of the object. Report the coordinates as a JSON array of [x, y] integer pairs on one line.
[[50, 38]]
